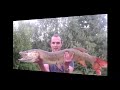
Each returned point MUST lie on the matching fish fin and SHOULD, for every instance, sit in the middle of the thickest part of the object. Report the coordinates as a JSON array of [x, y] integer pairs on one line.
[[97, 68], [81, 49], [101, 62], [82, 62]]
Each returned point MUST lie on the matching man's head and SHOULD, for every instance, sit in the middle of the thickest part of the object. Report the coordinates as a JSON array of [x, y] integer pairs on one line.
[[56, 42]]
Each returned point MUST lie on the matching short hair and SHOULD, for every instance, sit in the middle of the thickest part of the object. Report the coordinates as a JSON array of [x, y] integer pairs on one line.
[[56, 35]]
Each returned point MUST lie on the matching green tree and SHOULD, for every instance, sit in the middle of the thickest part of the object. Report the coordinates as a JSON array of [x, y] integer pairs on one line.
[[21, 41]]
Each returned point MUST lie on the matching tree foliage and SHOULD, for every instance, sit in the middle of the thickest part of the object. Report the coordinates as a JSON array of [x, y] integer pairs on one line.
[[21, 41]]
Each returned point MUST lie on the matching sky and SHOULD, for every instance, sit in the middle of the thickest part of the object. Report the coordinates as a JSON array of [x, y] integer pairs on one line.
[[33, 21]]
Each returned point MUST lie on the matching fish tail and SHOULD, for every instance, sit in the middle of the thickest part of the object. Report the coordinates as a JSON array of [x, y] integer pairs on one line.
[[99, 64], [81, 49]]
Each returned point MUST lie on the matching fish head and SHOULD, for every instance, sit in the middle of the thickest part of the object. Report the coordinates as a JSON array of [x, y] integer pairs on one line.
[[29, 56]]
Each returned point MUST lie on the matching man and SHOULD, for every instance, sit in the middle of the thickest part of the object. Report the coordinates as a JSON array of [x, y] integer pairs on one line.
[[68, 67]]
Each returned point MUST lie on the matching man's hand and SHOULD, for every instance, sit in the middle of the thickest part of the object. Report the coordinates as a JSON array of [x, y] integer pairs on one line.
[[68, 58]]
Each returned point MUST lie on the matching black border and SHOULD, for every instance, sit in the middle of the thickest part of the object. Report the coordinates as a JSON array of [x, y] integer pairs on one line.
[[28, 75]]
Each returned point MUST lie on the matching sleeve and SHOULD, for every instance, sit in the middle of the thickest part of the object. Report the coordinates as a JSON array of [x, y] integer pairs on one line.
[[72, 64]]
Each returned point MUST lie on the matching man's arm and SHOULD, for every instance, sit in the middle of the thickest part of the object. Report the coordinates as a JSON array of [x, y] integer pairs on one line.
[[69, 63], [69, 67], [43, 67], [46, 66]]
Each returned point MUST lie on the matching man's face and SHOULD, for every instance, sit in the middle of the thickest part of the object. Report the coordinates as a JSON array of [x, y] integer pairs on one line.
[[55, 43]]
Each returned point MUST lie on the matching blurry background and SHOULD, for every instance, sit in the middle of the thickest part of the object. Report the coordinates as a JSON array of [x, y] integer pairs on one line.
[[88, 31]]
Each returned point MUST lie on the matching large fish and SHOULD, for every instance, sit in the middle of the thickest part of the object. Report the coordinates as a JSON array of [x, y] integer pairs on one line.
[[80, 56]]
